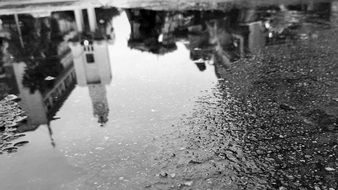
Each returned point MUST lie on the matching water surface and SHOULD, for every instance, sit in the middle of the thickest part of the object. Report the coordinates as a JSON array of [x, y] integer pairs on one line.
[[104, 90]]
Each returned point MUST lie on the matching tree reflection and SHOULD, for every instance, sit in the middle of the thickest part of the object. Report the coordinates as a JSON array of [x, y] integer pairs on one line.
[[37, 72]]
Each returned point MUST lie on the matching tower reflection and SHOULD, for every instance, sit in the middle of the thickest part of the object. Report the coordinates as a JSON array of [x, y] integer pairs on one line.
[[92, 67]]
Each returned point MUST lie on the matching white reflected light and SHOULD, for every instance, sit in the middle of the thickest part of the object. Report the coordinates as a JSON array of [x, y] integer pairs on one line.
[[86, 42], [160, 38]]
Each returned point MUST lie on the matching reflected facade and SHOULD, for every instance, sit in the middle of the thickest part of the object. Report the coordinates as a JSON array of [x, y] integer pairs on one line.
[[57, 59], [258, 85], [92, 66], [44, 54]]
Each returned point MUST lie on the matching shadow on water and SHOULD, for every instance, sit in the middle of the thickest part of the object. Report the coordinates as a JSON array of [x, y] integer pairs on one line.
[[269, 123]]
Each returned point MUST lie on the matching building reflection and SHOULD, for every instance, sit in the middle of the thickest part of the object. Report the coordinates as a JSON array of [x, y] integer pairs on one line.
[[29, 70], [146, 31], [222, 37], [92, 67], [44, 55], [91, 56], [225, 36]]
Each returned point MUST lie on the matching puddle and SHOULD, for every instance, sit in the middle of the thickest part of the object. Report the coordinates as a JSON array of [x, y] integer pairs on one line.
[[119, 98]]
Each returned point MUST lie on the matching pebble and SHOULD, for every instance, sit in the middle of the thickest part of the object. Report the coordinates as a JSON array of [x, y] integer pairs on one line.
[[163, 174], [329, 169], [12, 97], [194, 162], [188, 183], [21, 143], [10, 118]]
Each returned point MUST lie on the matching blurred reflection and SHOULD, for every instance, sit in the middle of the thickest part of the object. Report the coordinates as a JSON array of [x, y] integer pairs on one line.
[[92, 66], [43, 74], [220, 38], [146, 31], [210, 35], [91, 58], [42, 53], [38, 64], [270, 26]]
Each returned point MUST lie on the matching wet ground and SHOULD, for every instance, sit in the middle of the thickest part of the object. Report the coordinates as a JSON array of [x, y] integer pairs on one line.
[[234, 98]]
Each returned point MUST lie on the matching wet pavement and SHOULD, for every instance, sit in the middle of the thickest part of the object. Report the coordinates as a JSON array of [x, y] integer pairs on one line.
[[226, 98]]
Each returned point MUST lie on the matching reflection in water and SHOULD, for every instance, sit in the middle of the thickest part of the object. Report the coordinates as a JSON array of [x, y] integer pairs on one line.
[[42, 75], [220, 38], [45, 74], [92, 66], [146, 31], [44, 56]]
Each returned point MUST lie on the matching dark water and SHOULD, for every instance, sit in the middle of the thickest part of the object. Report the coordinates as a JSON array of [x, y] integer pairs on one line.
[[245, 98]]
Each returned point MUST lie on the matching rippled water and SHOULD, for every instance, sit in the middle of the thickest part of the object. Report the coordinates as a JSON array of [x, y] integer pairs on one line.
[[240, 98]]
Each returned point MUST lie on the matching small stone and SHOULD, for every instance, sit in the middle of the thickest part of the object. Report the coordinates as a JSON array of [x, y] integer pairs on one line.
[[282, 188], [121, 178], [287, 107], [10, 149], [188, 183], [194, 162], [329, 169], [331, 127], [307, 121], [11, 130], [172, 175], [21, 143], [163, 174], [13, 125], [19, 135], [12, 97], [147, 186], [290, 177], [317, 188], [298, 184], [20, 119]]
